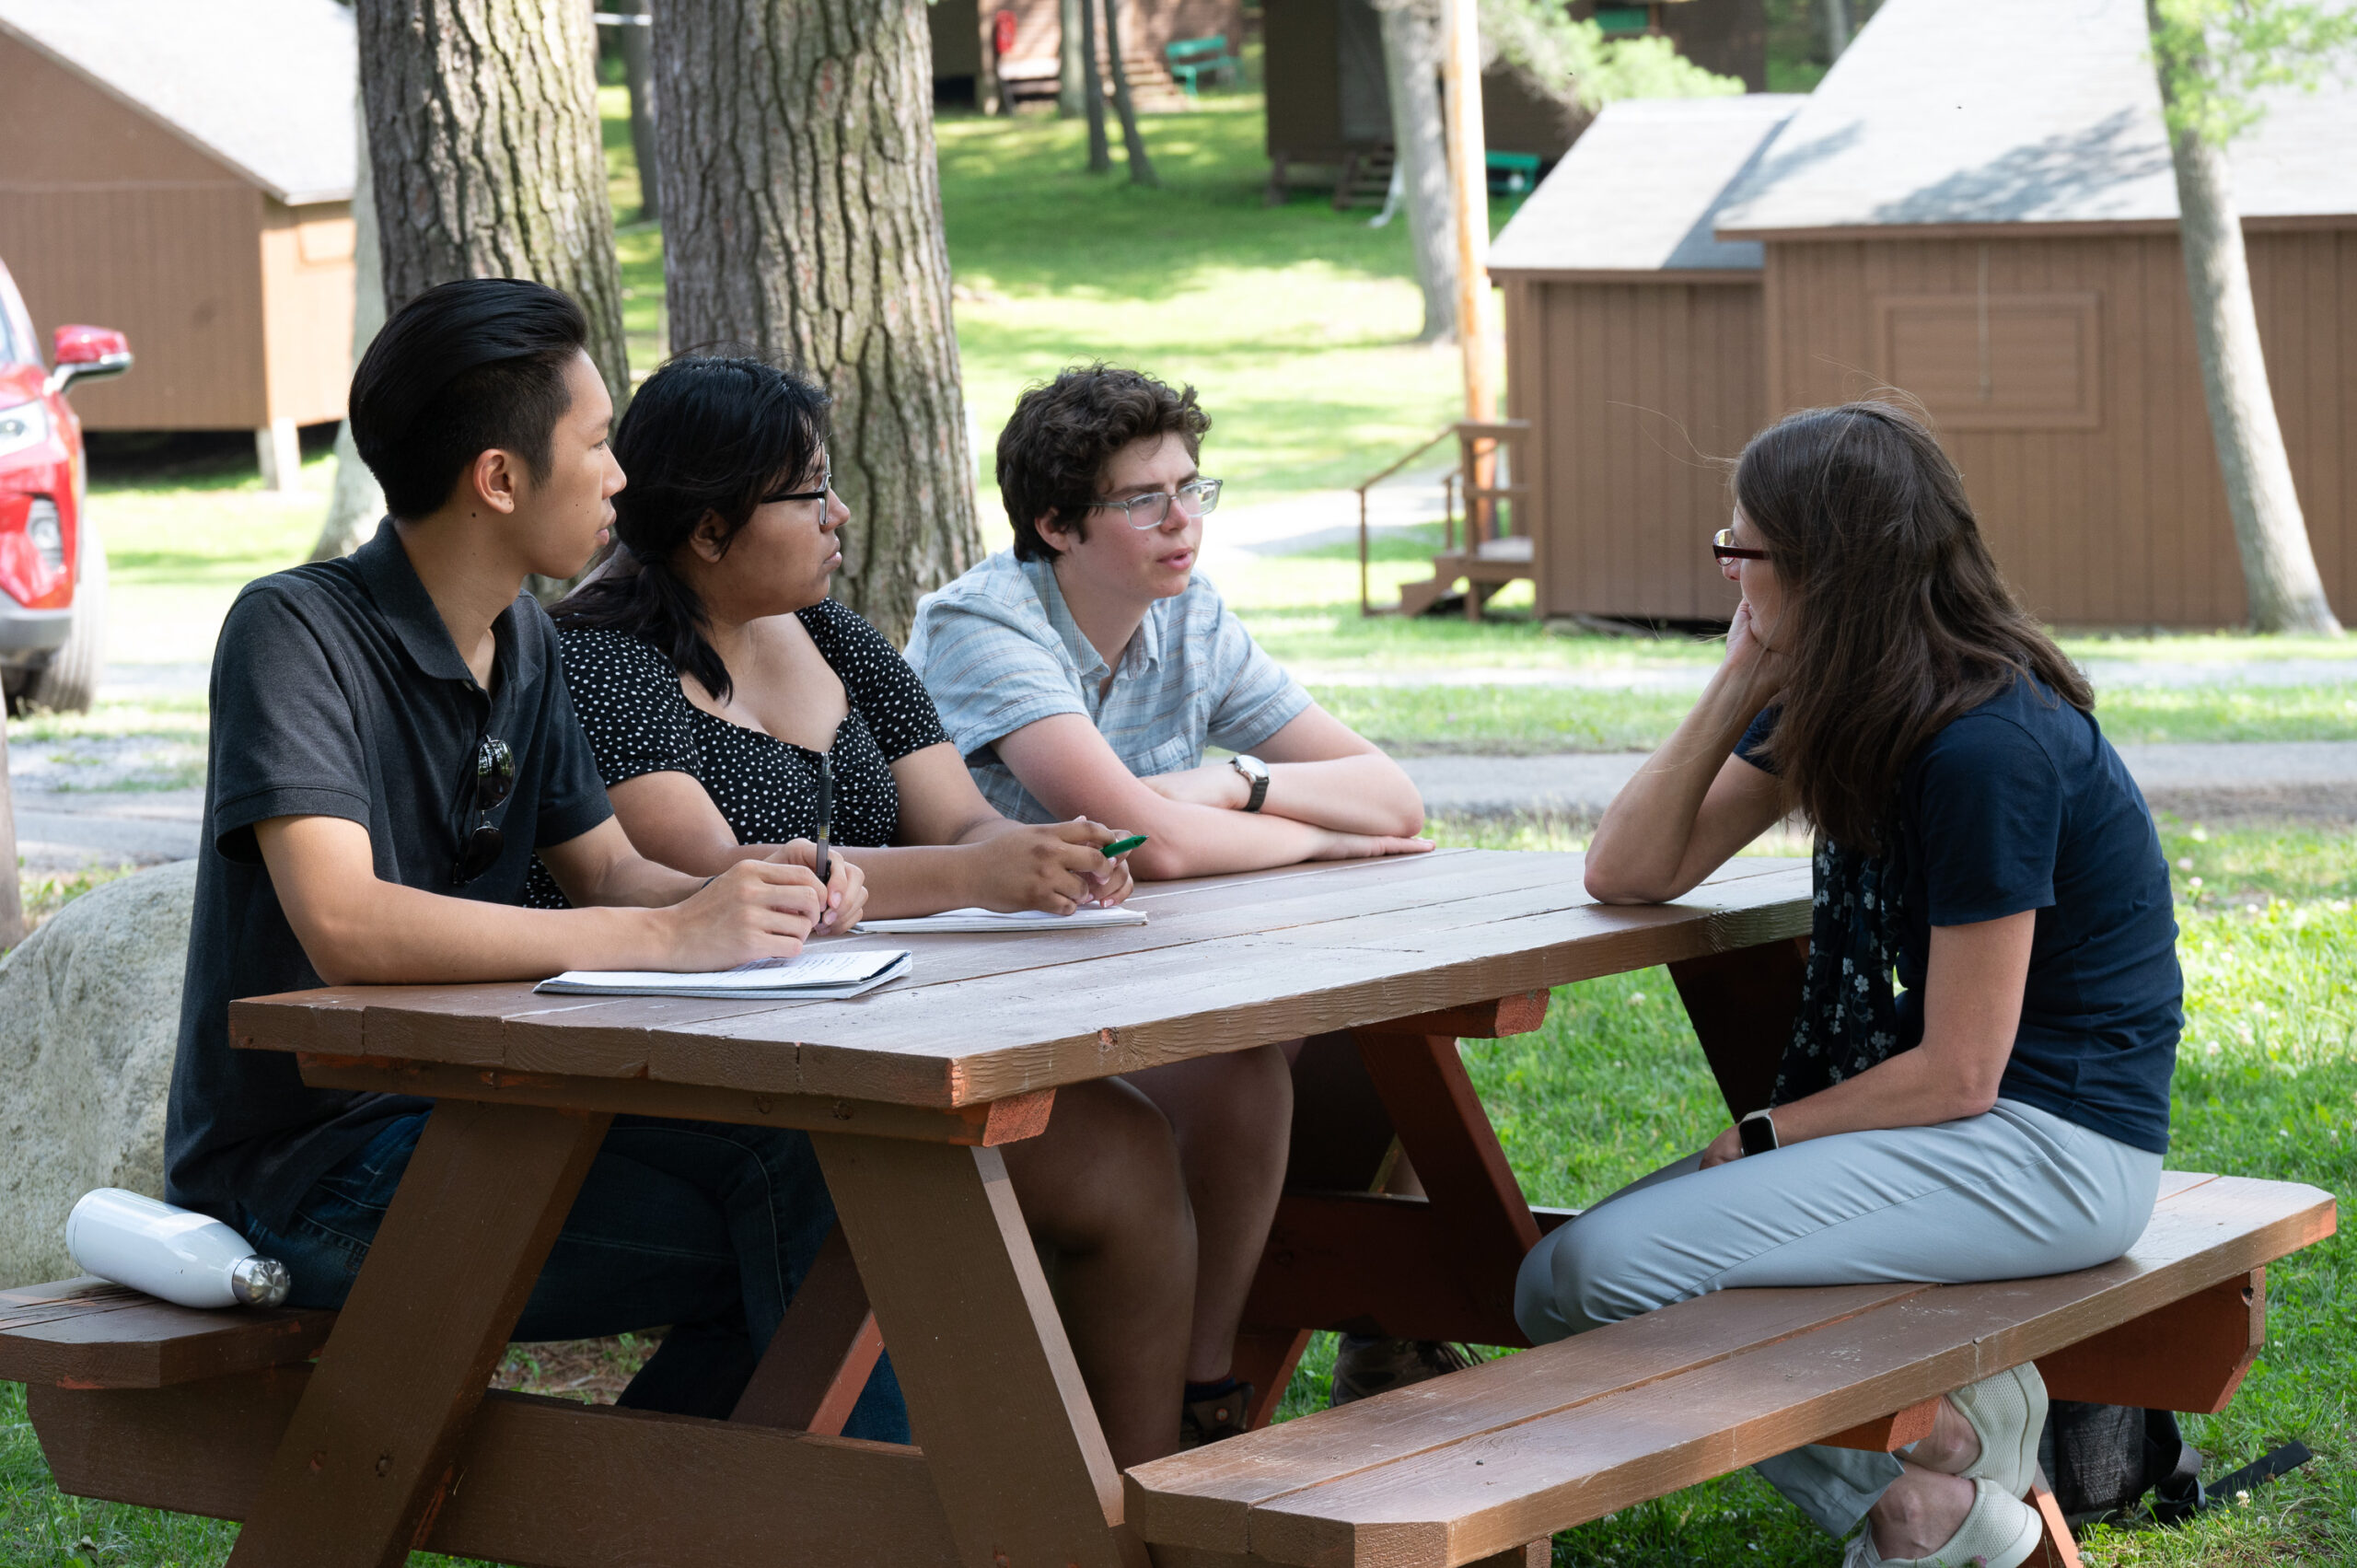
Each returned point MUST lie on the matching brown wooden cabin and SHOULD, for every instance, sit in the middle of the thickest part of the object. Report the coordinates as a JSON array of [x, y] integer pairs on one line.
[[1329, 106], [183, 173], [1988, 231], [961, 36]]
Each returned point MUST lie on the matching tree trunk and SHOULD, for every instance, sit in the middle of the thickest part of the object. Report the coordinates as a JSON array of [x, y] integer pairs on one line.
[[638, 72], [804, 219], [482, 133], [1133, 145], [1092, 92], [2278, 568], [1071, 73], [357, 501], [1833, 16], [1412, 68]]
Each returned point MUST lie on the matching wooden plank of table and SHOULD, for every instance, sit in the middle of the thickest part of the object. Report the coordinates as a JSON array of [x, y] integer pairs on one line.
[[993, 1394], [538, 1481], [738, 1045], [366, 1461], [1374, 1263], [1202, 1498], [1008, 1034], [604, 1036], [1565, 1468], [1001, 1121]]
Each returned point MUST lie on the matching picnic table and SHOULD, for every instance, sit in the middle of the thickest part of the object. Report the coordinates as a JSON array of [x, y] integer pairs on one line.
[[389, 1440]]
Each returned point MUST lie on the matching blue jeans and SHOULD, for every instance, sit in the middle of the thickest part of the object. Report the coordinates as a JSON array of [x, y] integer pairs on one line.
[[702, 1225]]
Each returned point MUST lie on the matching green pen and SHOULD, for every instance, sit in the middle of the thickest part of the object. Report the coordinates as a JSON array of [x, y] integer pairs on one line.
[[1123, 846]]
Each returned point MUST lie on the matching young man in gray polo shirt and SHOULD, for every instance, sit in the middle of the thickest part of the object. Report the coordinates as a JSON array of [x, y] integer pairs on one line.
[[1083, 674], [392, 745]]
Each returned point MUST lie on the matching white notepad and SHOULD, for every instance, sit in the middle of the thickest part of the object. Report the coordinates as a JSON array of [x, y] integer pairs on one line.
[[1023, 921], [811, 977]]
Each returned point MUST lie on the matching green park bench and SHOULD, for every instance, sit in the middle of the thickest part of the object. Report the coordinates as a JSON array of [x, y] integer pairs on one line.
[[1192, 59], [1512, 174]]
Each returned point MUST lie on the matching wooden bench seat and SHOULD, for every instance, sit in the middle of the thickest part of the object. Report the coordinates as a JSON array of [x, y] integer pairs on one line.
[[1484, 1462], [86, 1333]]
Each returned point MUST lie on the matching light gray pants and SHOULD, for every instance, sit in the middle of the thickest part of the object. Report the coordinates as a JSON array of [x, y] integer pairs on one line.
[[2012, 1194]]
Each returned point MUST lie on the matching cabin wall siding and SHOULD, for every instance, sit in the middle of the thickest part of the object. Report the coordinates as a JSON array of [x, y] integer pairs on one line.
[[2124, 524], [1638, 391], [237, 307]]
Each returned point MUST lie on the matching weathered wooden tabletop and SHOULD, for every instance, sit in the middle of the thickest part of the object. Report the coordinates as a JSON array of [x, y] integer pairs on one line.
[[1226, 962]]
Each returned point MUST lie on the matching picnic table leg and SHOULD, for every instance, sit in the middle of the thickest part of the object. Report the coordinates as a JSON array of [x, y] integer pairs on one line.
[[1742, 1003], [366, 1461], [994, 1396], [818, 1361]]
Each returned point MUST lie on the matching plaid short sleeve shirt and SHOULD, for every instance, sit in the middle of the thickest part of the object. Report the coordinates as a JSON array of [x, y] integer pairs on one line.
[[998, 649]]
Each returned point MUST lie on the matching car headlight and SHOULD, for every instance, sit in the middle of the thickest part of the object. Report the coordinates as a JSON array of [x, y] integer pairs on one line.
[[26, 425]]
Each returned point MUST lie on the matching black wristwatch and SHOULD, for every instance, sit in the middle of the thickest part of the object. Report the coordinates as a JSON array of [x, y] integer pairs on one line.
[[1255, 773], [1758, 1132]]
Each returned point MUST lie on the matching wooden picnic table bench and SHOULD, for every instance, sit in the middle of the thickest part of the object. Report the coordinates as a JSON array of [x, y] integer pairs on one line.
[[389, 1440]]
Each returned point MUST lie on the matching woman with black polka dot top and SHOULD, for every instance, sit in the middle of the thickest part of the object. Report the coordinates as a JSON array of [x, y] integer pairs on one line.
[[710, 672]]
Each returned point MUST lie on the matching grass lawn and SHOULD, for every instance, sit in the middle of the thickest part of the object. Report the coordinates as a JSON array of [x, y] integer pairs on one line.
[[1615, 1085]]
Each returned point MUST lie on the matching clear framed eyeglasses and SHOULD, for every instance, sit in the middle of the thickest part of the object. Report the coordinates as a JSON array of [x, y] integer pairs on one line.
[[1152, 511]]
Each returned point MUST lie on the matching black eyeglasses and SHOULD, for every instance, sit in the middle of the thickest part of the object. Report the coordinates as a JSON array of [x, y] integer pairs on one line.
[[826, 484], [1724, 546], [494, 777]]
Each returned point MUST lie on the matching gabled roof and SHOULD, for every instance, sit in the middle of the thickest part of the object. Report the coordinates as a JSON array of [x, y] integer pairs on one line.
[[2009, 111], [265, 86], [1639, 189]]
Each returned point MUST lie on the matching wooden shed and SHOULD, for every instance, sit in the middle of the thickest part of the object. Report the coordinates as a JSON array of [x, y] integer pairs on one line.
[[1328, 104], [1990, 231], [184, 173], [960, 32], [1633, 344]]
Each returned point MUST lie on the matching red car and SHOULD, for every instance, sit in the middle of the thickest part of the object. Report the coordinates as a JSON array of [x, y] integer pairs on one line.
[[53, 570]]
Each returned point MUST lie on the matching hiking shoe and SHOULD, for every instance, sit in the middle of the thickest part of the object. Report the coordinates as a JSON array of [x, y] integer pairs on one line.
[[1219, 1415], [1364, 1365]]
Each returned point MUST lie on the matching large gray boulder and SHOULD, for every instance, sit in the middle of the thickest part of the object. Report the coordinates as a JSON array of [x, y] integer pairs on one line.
[[89, 1013]]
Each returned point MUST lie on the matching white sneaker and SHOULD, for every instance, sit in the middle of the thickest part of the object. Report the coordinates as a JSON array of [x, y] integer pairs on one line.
[[2000, 1532], [2007, 1414]]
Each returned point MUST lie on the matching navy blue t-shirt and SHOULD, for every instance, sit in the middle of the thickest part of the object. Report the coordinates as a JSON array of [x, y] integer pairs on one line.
[[2021, 804]]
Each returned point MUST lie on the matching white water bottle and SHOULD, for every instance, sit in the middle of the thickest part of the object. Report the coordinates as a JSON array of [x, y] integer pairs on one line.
[[190, 1259]]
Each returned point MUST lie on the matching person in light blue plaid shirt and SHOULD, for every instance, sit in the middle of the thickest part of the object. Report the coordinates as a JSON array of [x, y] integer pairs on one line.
[[1083, 674]]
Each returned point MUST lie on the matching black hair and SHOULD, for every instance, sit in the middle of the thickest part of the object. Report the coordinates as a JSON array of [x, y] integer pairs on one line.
[[1052, 456], [461, 370], [706, 436]]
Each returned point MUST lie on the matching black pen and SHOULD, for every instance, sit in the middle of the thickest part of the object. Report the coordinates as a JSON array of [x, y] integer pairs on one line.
[[826, 814]]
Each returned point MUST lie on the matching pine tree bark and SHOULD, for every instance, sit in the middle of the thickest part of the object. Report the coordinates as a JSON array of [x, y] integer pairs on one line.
[[1834, 18], [1092, 92], [357, 500], [2279, 576], [638, 74], [1133, 145], [1412, 69], [482, 136], [803, 219]]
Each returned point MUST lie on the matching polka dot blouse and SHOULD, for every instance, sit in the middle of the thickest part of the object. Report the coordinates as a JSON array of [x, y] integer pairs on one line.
[[628, 698]]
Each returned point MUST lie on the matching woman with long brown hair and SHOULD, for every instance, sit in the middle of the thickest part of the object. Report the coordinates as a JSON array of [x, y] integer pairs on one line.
[[2002, 1114]]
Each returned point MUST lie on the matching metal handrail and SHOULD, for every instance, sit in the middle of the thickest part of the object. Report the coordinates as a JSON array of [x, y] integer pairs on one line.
[[1367, 484]]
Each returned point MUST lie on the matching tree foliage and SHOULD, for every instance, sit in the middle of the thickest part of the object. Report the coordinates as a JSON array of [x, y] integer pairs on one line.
[[2216, 56], [1574, 63]]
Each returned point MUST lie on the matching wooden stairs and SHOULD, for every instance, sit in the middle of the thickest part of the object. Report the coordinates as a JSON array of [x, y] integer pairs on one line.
[[1366, 178], [1496, 548]]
